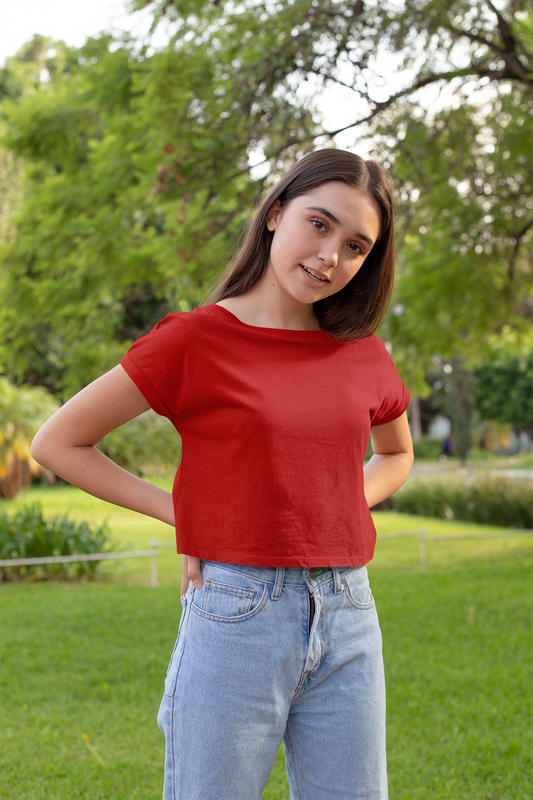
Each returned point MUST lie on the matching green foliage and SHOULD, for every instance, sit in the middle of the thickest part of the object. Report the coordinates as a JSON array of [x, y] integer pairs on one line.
[[464, 178], [124, 219], [10, 192], [147, 446], [23, 409], [428, 448], [28, 534], [484, 498], [503, 391], [36, 62], [138, 171]]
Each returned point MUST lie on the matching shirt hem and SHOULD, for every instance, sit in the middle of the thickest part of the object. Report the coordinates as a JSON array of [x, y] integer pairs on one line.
[[303, 562], [395, 414]]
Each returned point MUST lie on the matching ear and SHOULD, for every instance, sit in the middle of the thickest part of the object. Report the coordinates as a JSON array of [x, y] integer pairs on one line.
[[273, 215]]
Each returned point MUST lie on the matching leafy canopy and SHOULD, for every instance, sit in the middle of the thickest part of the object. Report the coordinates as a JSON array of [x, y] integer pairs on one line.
[[141, 167]]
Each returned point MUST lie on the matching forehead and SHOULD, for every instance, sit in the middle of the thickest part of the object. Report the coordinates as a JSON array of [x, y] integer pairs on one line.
[[347, 204]]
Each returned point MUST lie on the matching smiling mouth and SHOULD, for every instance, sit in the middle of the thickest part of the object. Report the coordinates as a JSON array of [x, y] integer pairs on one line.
[[313, 275]]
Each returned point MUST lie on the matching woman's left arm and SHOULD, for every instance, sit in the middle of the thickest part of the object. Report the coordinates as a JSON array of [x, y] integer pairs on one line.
[[391, 463]]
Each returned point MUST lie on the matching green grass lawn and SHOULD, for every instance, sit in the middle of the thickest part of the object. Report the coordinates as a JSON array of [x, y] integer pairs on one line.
[[88, 659]]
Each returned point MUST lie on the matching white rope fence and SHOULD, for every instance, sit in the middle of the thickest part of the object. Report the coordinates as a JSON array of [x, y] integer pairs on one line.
[[73, 559], [423, 538], [157, 545], [77, 558]]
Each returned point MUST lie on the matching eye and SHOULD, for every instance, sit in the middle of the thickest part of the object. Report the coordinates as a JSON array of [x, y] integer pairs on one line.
[[356, 248], [318, 224]]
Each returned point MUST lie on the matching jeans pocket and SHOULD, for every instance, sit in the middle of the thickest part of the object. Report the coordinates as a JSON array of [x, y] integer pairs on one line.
[[173, 666], [228, 595], [358, 588], [182, 618]]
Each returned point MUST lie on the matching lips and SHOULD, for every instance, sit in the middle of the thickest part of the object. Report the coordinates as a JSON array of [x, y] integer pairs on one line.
[[315, 274]]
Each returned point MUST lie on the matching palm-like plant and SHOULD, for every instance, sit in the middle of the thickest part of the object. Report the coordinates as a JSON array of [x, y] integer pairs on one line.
[[23, 409]]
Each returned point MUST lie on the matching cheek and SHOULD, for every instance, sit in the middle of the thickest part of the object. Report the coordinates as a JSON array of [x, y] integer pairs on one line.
[[352, 270], [284, 252]]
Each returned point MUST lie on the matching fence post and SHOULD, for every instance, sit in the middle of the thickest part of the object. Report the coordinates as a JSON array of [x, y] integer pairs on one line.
[[153, 545], [422, 549]]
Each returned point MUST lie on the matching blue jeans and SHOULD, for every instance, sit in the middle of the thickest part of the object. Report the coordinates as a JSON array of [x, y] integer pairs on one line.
[[266, 654]]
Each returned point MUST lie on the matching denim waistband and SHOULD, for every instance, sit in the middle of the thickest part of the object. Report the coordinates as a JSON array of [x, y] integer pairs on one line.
[[290, 576]]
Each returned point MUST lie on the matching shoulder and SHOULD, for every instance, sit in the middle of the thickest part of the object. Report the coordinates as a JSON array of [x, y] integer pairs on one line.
[[378, 360], [195, 319], [371, 348], [171, 338], [183, 325]]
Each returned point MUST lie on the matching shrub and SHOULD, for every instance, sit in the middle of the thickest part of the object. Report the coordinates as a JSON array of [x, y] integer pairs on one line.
[[27, 534], [428, 447], [486, 499], [23, 409], [148, 445]]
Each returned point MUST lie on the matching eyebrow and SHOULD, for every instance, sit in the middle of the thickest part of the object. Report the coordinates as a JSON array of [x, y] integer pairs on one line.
[[334, 219]]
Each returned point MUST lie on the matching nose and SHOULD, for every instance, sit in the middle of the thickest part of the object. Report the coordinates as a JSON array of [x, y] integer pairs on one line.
[[329, 254]]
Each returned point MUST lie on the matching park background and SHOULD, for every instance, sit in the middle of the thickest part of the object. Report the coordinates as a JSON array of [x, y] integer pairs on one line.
[[129, 160]]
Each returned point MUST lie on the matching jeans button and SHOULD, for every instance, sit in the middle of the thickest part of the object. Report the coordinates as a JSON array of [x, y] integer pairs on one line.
[[313, 572]]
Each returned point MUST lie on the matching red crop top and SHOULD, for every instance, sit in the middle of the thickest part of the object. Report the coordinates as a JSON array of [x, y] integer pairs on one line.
[[274, 425]]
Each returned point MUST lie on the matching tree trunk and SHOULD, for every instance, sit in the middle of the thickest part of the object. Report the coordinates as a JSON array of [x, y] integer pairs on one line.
[[14, 478], [461, 407], [415, 420]]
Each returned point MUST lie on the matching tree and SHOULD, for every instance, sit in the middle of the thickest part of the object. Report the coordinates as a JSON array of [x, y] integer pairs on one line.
[[108, 239], [22, 412], [124, 218], [462, 166], [503, 391]]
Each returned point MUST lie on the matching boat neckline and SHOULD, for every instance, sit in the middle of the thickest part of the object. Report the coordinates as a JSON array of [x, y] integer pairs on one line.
[[279, 332]]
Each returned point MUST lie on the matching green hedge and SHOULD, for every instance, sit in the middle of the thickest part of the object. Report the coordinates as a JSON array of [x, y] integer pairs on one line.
[[483, 498], [147, 446], [28, 534], [428, 447]]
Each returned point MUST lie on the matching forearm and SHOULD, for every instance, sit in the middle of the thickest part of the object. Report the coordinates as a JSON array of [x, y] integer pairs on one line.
[[384, 473], [90, 470]]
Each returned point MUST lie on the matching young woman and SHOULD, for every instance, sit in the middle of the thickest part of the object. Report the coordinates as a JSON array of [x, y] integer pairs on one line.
[[275, 386]]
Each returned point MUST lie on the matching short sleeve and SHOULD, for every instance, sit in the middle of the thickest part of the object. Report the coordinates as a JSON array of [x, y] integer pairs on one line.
[[395, 395], [153, 362]]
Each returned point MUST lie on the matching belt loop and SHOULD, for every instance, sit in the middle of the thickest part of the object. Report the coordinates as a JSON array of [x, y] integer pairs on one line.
[[337, 578], [278, 583]]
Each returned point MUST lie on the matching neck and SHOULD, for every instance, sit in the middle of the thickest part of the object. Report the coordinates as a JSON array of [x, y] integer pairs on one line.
[[267, 306]]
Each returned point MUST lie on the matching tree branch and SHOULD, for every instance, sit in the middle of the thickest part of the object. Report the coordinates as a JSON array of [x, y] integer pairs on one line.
[[508, 38], [516, 248], [419, 84], [331, 78], [509, 55]]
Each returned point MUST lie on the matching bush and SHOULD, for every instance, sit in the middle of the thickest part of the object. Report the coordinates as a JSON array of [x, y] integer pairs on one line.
[[149, 445], [485, 499], [23, 409], [27, 534], [428, 447]]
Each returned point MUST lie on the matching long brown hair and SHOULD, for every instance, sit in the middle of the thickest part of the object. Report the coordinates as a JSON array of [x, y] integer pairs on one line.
[[356, 311]]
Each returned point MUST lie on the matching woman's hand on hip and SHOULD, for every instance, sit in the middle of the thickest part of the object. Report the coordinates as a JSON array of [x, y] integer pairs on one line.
[[190, 572]]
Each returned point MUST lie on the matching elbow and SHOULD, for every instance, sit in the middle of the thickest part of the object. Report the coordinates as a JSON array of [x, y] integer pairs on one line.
[[39, 448], [35, 450], [404, 463], [409, 459]]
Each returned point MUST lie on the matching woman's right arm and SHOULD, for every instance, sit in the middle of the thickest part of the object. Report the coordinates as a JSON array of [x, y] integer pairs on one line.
[[66, 445]]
